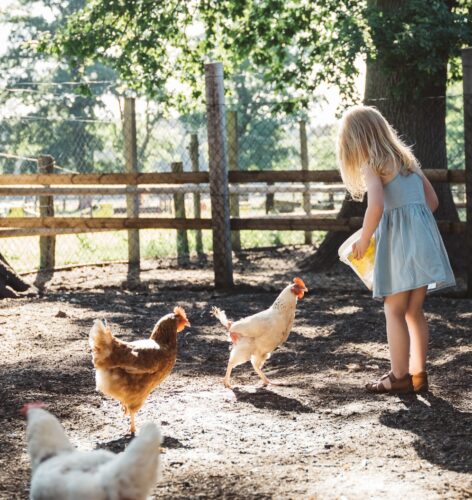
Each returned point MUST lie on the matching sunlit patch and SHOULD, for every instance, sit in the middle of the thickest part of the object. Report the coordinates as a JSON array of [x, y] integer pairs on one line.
[[347, 310], [423, 400]]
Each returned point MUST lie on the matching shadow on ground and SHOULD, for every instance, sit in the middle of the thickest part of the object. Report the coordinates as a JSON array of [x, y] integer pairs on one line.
[[444, 432]]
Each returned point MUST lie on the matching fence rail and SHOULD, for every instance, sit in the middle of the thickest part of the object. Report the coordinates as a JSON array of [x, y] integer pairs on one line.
[[161, 190], [280, 223], [234, 177]]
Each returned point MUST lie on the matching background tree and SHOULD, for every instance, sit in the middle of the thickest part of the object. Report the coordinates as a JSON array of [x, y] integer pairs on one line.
[[295, 46], [55, 117], [41, 115], [407, 75]]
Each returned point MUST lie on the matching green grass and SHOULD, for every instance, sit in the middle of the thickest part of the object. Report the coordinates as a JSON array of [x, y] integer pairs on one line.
[[23, 252]]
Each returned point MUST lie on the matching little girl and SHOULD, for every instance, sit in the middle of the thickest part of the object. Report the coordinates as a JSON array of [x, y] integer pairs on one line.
[[410, 257]]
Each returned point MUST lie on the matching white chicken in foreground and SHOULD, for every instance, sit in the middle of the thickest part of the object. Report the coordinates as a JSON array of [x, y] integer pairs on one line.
[[61, 472], [255, 337]]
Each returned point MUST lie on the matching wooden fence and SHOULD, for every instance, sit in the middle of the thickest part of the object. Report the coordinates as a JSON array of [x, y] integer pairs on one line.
[[218, 179], [101, 184]]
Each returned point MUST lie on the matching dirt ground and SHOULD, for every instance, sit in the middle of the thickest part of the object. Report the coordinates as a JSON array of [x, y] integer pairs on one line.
[[320, 435]]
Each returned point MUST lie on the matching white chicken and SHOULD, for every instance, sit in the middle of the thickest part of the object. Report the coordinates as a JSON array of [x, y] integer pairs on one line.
[[61, 472], [255, 337]]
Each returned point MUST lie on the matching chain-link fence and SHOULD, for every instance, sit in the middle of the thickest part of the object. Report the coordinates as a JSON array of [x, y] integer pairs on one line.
[[89, 134]]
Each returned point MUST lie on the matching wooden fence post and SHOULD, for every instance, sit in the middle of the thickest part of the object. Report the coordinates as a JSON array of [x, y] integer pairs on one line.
[[467, 86], [305, 166], [131, 166], [233, 165], [270, 200], [194, 158], [179, 209], [47, 244], [218, 170]]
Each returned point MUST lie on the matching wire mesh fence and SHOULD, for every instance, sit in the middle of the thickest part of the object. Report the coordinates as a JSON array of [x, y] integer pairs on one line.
[[88, 135]]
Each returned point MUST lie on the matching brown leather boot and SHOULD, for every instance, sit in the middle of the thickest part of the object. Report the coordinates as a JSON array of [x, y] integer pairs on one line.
[[399, 385], [420, 382]]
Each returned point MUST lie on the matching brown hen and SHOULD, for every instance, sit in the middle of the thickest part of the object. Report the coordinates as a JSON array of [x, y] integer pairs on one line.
[[130, 371]]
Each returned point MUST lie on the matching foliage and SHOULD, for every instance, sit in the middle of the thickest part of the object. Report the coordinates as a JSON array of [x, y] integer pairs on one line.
[[295, 45], [261, 124], [455, 129], [41, 114], [322, 150], [103, 210], [16, 212], [23, 252], [414, 39]]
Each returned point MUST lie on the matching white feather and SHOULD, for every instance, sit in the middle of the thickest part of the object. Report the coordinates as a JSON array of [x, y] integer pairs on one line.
[[60, 472]]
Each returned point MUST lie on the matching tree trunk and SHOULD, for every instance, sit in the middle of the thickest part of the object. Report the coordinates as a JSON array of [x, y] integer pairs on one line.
[[421, 122], [419, 116], [11, 283]]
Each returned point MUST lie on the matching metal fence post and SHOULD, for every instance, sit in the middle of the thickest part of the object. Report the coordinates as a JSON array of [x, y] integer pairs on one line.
[[194, 158], [218, 171], [467, 86], [47, 244], [179, 209], [131, 166], [233, 165], [305, 166]]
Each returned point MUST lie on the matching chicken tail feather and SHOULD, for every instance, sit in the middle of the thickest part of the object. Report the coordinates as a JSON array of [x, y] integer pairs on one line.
[[221, 317], [138, 466], [100, 340]]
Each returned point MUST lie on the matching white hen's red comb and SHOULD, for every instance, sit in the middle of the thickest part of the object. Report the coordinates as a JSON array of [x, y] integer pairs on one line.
[[299, 282]]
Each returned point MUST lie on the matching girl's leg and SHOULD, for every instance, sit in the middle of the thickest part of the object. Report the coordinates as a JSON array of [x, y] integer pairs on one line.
[[419, 332], [395, 307]]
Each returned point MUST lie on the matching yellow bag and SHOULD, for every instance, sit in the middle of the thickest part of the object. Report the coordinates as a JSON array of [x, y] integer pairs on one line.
[[364, 268]]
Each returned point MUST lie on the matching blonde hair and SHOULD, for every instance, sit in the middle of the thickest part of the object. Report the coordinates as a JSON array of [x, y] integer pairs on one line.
[[366, 139]]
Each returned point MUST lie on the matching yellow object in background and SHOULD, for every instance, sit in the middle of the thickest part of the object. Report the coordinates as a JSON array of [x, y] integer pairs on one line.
[[364, 268]]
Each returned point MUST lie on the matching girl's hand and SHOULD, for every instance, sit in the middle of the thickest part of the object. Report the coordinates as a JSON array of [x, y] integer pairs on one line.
[[359, 248]]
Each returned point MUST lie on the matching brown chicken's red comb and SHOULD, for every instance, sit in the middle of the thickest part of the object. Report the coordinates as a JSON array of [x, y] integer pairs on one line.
[[299, 282], [29, 406], [179, 311]]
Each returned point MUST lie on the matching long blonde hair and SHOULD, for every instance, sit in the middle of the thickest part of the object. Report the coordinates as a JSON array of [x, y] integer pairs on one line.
[[366, 139]]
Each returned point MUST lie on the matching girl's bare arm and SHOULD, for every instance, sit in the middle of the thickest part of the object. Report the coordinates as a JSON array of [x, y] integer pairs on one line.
[[373, 214]]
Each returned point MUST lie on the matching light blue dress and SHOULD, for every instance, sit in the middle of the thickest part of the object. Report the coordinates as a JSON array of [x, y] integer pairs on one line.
[[409, 252]]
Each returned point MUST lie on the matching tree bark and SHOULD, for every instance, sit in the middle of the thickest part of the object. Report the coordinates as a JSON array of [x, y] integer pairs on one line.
[[11, 283], [420, 119]]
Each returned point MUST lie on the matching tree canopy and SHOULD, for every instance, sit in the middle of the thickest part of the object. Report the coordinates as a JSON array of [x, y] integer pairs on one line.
[[46, 115], [295, 45]]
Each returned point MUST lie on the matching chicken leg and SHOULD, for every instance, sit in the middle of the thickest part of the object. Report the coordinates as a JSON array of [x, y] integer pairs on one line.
[[227, 379], [240, 353], [132, 428], [257, 363]]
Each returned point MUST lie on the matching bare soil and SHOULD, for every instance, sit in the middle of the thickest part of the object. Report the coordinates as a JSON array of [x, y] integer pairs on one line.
[[319, 435]]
